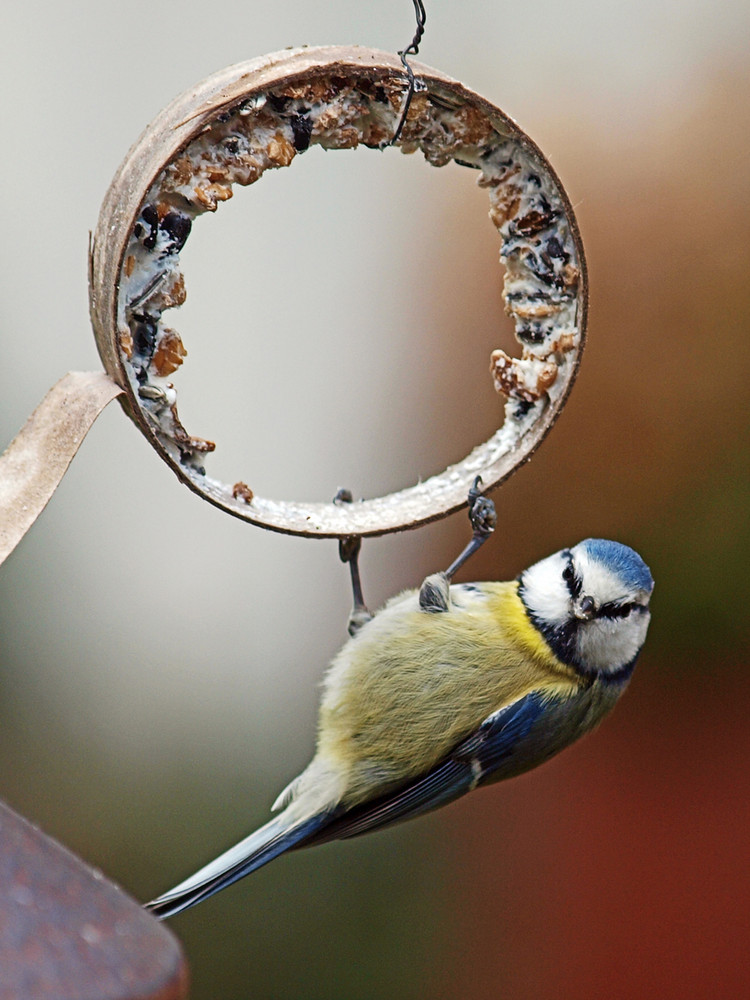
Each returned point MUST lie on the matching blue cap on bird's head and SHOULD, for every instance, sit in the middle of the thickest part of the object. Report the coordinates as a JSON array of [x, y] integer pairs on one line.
[[590, 603], [622, 560]]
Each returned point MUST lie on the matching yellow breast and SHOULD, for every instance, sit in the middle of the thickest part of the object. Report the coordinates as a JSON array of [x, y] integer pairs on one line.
[[404, 691]]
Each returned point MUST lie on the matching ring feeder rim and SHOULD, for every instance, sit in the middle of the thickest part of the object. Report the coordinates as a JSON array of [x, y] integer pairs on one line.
[[174, 128]]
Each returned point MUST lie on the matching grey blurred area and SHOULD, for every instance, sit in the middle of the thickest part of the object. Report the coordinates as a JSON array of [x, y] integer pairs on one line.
[[159, 661]]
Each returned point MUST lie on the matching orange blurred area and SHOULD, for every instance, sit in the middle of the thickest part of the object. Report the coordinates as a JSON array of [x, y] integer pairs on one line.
[[621, 869]]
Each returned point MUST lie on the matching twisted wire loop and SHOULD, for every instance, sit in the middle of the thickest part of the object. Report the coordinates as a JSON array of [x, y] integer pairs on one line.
[[261, 115], [411, 50]]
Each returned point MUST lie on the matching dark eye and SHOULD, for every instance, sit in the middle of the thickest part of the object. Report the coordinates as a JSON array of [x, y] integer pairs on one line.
[[623, 611], [614, 611], [568, 573]]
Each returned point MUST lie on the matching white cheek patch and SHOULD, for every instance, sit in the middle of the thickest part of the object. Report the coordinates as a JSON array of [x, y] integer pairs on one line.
[[607, 644], [545, 592]]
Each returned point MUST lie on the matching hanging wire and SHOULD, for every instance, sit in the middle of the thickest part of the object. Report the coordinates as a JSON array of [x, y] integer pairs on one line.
[[411, 50]]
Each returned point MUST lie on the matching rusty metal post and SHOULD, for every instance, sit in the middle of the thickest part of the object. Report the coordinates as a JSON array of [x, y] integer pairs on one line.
[[67, 933]]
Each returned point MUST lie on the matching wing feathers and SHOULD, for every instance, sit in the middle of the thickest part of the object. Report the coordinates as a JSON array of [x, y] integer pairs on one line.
[[474, 760], [470, 762]]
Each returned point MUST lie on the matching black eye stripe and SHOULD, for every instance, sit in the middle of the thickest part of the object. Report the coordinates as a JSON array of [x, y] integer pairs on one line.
[[611, 611], [569, 575], [619, 610]]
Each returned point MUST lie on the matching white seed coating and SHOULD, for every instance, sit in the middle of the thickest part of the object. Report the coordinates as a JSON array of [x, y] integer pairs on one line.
[[347, 106]]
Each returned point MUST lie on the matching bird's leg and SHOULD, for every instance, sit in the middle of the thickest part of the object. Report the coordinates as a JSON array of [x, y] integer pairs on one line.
[[349, 547], [434, 594], [349, 553], [483, 520]]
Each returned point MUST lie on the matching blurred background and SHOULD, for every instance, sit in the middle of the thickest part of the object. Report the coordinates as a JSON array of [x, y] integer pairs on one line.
[[160, 662]]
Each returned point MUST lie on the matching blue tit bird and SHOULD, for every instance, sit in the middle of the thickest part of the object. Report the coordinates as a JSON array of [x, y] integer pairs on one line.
[[448, 688]]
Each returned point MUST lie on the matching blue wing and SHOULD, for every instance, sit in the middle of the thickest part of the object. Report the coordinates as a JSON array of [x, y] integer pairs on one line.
[[472, 762], [511, 740]]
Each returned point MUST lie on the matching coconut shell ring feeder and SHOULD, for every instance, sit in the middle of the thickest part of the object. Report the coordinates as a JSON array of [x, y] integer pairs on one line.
[[262, 114]]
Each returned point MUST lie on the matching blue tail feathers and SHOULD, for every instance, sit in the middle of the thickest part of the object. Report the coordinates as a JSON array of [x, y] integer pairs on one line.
[[251, 853]]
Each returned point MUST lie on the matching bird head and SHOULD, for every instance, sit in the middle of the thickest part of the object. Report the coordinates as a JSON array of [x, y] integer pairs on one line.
[[591, 605]]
